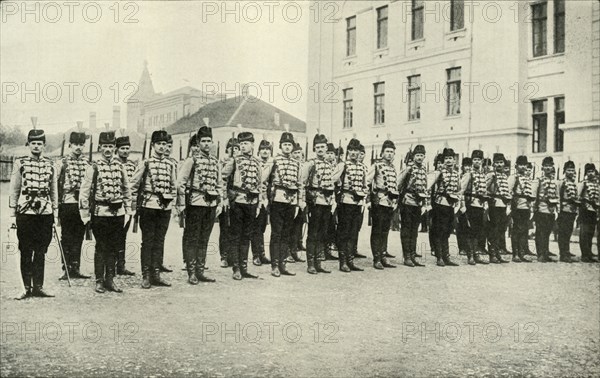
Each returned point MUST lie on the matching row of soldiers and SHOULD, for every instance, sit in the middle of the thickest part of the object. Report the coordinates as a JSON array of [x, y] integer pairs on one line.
[[246, 192]]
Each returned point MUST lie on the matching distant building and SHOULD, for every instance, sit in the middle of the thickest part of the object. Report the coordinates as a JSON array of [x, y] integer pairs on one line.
[[516, 77]]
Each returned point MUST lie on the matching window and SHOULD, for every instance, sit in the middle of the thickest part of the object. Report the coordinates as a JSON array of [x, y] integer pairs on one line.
[[382, 27], [453, 85], [559, 26], [348, 108], [414, 97], [351, 36], [162, 119], [540, 119], [559, 118], [417, 19], [175, 116], [539, 29], [168, 117], [457, 11], [379, 109]]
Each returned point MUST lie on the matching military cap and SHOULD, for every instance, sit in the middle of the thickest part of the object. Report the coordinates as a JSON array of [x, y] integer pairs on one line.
[[589, 167], [467, 162], [265, 145], [522, 160], [498, 157], [159, 136], [419, 149], [204, 132], [107, 137], [387, 144], [123, 141], [233, 142], [193, 140], [330, 147], [245, 136], [548, 161], [286, 137], [448, 152], [169, 139], [297, 147], [569, 165], [36, 135], [354, 144], [477, 154], [319, 139], [77, 138]]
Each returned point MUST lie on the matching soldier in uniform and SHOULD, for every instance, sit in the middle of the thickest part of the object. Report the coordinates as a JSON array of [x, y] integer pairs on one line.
[[123, 147], [545, 207], [351, 200], [33, 201], [462, 227], [286, 197], [154, 181], [104, 201], [412, 186], [361, 159], [569, 202], [331, 158], [175, 162], [445, 187], [295, 245], [384, 199], [519, 186], [201, 196], [246, 196], [498, 199], [589, 192], [438, 164], [70, 174], [226, 247], [265, 150]]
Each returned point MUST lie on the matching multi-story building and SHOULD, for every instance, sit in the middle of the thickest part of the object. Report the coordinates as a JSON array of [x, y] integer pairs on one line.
[[515, 77]]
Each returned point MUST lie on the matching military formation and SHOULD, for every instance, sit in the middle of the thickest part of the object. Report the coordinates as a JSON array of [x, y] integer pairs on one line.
[[322, 200]]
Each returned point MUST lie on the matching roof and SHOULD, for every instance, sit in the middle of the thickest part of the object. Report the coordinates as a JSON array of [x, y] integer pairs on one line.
[[250, 112]]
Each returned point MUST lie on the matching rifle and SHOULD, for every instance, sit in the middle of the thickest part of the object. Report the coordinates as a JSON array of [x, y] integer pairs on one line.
[[188, 194], [139, 198], [180, 150], [62, 148], [145, 145], [92, 201]]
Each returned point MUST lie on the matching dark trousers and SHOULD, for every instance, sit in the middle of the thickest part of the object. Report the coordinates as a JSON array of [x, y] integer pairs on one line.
[[106, 231], [497, 227], [519, 237], [441, 228], [72, 233], [462, 230], [380, 229], [318, 223], [410, 218], [34, 233], [257, 240], [475, 233], [242, 216], [565, 230], [154, 224], [123, 245], [225, 243], [282, 226], [588, 223], [543, 228], [349, 221], [296, 241], [332, 229], [199, 223]]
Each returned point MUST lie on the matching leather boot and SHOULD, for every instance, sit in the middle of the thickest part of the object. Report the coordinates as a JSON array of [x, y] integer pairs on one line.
[[343, 265], [296, 257], [478, 260], [244, 270], [350, 263], [385, 263], [121, 270], [256, 261], [275, 268], [311, 267], [38, 291], [406, 255], [438, 255], [377, 261], [311, 256], [413, 259], [389, 256], [75, 273], [200, 268], [264, 259], [515, 257], [164, 269], [146, 277], [493, 258], [319, 268], [156, 280], [500, 259], [24, 295], [191, 271], [446, 255], [283, 270], [100, 286], [109, 283], [359, 256], [471, 260]]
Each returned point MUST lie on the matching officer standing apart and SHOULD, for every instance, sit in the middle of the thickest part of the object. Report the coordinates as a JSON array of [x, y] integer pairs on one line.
[[71, 170], [104, 201], [33, 201]]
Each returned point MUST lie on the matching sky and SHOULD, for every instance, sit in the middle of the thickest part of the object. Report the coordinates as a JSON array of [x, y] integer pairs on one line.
[[59, 62]]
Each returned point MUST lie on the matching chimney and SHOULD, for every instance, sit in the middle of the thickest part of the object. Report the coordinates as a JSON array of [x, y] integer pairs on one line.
[[116, 120], [92, 121]]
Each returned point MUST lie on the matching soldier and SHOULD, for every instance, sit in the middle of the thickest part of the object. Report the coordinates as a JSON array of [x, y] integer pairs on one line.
[[286, 197], [412, 186], [318, 178], [295, 245], [498, 199], [201, 196], [462, 227], [265, 151], [193, 151], [154, 186], [384, 199], [445, 187], [474, 187], [519, 186], [438, 164], [169, 150], [193, 147], [545, 207], [33, 201], [569, 202], [588, 212], [70, 174], [123, 147], [226, 247], [104, 202], [331, 158], [351, 200], [361, 159]]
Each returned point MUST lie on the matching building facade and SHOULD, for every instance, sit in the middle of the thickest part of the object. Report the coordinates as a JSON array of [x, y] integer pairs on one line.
[[513, 77]]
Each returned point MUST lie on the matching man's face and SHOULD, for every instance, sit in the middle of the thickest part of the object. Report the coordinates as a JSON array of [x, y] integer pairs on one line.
[[76, 148], [570, 173], [205, 144], [522, 168], [286, 148], [297, 155], [361, 156], [264, 153], [499, 165], [548, 168], [236, 151], [160, 148], [194, 149], [320, 149], [418, 158], [467, 168], [477, 163], [36, 147], [529, 171], [168, 149], [330, 156], [388, 154], [353, 154], [590, 174], [123, 152], [245, 147], [449, 161], [108, 150]]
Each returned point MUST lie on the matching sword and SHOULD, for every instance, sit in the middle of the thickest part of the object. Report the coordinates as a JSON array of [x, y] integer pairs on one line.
[[62, 254], [22, 285]]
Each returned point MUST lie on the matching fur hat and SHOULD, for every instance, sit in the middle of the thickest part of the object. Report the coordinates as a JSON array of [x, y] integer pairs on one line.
[[107, 137], [159, 136], [77, 138], [297, 147], [548, 161], [589, 167], [123, 141], [467, 162], [36, 134], [568, 165], [448, 152], [387, 144], [204, 132], [265, 145], [233, 142], [498, 157], [354, 144], [319, 139], [330, 147], [522, 160], [477, 154], [245, 136], [419, 149], [286, 138]]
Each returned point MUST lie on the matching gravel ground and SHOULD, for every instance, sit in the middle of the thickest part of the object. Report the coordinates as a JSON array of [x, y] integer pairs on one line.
[[502, 320]]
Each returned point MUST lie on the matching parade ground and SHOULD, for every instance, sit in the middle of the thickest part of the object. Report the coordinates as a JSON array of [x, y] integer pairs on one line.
[[494, 320]]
